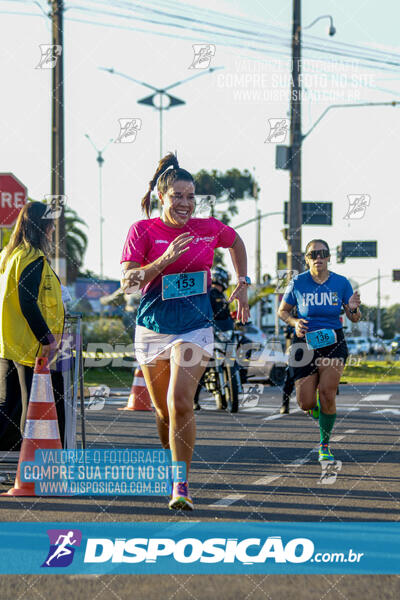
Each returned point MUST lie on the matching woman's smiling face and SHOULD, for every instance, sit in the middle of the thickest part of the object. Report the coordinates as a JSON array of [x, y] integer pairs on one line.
[[178, 203]]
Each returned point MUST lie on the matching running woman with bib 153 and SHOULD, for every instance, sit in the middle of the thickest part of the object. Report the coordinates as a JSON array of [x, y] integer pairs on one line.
[[169, 259], [319, 350]]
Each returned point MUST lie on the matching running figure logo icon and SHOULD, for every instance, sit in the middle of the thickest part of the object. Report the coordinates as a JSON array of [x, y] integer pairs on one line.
[[357, 206], [203, 54], [128, 129], [50, 54], [204, 206], [283, 278], [278, 129], [62, 542], [330, 471], [55, 205]]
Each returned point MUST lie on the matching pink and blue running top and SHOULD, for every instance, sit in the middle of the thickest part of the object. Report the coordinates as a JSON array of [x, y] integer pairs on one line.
[[147, 240]]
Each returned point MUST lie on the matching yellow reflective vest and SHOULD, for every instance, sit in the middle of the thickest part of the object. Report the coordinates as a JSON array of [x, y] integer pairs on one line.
[[17, 340]]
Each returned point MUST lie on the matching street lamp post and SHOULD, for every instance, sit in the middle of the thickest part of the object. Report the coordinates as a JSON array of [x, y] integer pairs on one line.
[[100, 161], [160, 94]]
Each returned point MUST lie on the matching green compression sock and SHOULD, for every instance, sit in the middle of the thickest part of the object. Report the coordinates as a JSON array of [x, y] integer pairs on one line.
[[326, 423]]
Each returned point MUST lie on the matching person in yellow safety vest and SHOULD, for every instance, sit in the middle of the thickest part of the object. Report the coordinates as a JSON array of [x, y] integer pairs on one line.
[[31, 315]]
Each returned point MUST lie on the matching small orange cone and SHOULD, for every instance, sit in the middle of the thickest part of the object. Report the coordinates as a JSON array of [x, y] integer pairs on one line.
[[139, 398], [41, 426]]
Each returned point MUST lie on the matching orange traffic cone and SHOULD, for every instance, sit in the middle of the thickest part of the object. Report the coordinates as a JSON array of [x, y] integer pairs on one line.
[[139, 398], [41, 426]]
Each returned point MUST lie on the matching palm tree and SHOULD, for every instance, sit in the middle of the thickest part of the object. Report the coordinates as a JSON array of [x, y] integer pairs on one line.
[[76, 243]]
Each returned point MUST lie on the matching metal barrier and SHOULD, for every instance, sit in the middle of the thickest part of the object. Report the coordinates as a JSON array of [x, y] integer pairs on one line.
[[70, 362]]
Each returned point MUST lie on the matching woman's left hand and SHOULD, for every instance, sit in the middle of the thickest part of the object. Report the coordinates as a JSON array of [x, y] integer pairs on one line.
[[240, 294], [354, 301]]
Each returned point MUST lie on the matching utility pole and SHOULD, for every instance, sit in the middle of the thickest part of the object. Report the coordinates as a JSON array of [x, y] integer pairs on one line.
[[258, 251], [295, 210], [57, 138], [378, 307], [258, 233]]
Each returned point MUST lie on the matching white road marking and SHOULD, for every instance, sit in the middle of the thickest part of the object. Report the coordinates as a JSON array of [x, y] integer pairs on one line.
[[376, 398], [351, 430], [272, 417], [298, 462], [267, 480], [256, 409], [228, 500], [337, 438], [278, 416], [382, 406], [393, 411]]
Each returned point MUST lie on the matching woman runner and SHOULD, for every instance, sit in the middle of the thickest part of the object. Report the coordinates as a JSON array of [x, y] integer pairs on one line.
[[319, 350], [169, 258]]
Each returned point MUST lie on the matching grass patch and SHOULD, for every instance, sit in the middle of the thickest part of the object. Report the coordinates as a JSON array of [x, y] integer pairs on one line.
[[385, 371], [116, 377]]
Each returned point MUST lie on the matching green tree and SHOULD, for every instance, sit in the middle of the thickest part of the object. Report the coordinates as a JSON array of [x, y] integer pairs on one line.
[[76, 243], [229, 188], [390, 318]]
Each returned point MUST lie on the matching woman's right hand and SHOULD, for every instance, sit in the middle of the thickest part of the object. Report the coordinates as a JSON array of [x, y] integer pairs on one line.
[[301, 327], [176, 248], [50, 351]]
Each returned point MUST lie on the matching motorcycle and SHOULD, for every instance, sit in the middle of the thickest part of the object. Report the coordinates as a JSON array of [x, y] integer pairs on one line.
[[222, 375]]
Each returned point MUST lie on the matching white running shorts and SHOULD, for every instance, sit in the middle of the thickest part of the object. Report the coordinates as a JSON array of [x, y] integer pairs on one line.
[[150, 345]]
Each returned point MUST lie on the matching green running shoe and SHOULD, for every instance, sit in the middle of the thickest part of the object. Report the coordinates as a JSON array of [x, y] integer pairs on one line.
[[314, 412], [180, 497], [325, 453]]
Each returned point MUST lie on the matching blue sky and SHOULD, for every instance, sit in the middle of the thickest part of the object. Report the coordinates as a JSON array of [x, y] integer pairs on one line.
[[222, 125]]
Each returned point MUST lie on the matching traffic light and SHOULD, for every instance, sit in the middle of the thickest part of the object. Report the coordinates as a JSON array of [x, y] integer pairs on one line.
[[356, 250], [313, 213], [360, 249], [339, 255]]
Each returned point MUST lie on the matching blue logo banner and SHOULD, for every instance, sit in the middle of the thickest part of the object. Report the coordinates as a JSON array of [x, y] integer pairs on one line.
[[200, 547]]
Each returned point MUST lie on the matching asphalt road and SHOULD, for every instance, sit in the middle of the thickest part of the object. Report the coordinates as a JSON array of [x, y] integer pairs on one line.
[[255, 465]]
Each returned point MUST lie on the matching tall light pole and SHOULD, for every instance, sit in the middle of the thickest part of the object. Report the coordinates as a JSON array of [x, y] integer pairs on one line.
[[100, 161], [295, 219], [160, 100], [57, 137], [294, 209]]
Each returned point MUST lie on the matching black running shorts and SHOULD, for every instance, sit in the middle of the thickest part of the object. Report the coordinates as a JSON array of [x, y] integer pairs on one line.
[[304, 362]]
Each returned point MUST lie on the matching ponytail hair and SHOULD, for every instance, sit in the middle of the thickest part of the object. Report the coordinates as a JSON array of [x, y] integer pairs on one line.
[[164, 178]]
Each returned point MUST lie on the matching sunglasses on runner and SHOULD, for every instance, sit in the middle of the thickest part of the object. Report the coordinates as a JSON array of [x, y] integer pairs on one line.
[[313, 254]]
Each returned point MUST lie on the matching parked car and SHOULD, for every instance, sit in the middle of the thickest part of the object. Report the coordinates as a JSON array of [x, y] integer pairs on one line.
[[352, 346], [396, 344], [363, 345], [388, 345], [379, 346], [267, 359], [371, 343]]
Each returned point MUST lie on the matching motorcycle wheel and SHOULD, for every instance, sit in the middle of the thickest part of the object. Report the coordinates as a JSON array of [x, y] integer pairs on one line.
[[231, 377]]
